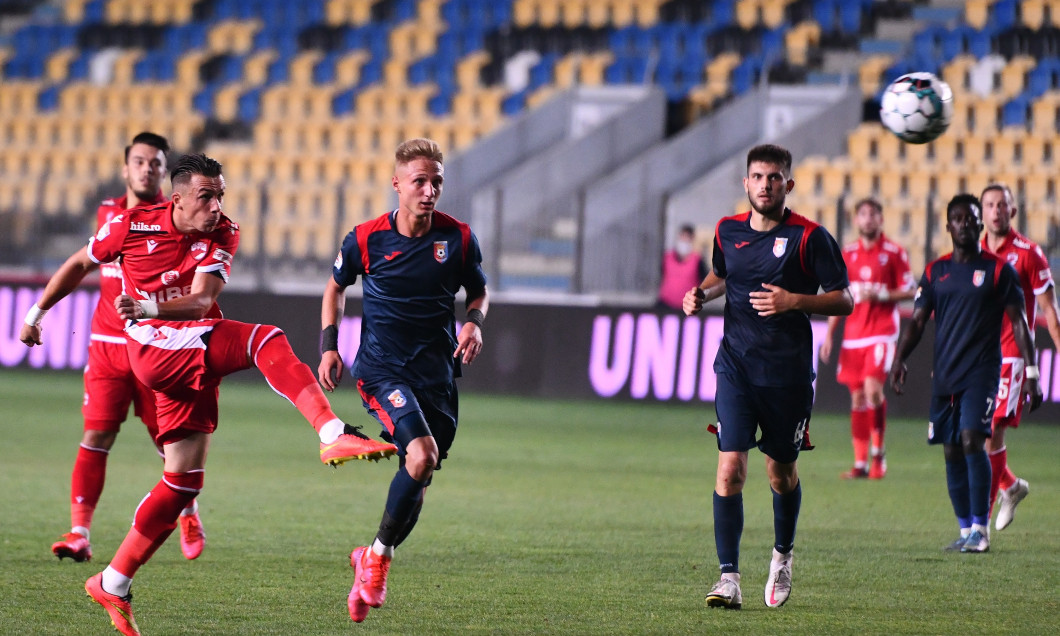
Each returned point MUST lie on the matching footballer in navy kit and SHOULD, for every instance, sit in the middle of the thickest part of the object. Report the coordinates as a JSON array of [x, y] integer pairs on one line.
[[412, 262], [769, 263], [970, 292]]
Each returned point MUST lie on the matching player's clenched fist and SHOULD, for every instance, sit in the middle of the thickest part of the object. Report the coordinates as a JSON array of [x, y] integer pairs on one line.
[[693, 301]]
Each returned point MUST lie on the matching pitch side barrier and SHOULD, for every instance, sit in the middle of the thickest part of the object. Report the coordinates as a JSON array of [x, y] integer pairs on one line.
[[544, 351]]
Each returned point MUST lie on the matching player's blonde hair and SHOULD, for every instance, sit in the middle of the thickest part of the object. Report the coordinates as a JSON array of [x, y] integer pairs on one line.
[[417, 148]]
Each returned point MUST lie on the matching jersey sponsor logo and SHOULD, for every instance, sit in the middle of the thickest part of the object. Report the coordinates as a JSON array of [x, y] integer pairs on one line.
[[169, 293], [170, 277], [780, 245], [978, 277], [392, 255], [741, 244], [441, 251], [222, 256], [151, 245], [397, 398], [137, 226], [198, 250]]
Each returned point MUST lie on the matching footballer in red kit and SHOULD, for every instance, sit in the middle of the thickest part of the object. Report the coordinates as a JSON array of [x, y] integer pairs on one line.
[[879, 278], [175, 259], [1036, 280]]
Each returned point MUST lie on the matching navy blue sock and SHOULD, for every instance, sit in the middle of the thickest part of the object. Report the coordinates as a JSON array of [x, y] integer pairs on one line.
[[401, 505], [957, 481], [979, 475], [785, 518], [728, 526]]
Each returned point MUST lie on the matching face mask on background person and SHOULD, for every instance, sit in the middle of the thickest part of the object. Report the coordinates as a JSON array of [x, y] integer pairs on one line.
[[683, 247]]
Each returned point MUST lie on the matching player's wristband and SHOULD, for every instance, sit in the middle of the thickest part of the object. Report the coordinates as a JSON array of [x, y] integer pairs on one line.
[[149, 307], [475, 316], [1032, 372], [35, 315], [329, 339]]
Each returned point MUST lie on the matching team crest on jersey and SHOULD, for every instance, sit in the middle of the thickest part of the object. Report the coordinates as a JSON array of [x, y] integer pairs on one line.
[[978, 277], [170, 277], [1012, 257], [441, 251], [883, 258], [779, 246], [198, 250], [397, 398]]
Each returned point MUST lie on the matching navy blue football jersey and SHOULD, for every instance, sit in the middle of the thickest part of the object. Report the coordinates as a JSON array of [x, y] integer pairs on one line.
[[969, 302], [797, 255], [410, 284]]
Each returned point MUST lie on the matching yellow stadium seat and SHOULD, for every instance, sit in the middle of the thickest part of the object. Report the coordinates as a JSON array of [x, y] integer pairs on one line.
[[975, 151], [987, 113], [977, 12], [833, 180], [773, 12], [1014, 75], [863, 182], [647, 12], [1054, 11], [891, 184], [1032, 13], [1044, 115], [524, 12], [746, 13]]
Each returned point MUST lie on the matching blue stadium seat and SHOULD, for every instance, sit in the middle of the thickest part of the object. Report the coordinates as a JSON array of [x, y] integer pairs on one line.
[[440, 104], [250, 105], [48, 99], [344, 102], [1014, 113], [514, 103]]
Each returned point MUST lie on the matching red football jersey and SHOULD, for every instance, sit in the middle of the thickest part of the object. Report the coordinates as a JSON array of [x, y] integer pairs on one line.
[[885, 265], [157, 261], [106, 325], [1032, 267]]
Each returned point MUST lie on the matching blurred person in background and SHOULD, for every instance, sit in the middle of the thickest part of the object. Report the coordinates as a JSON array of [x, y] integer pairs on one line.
[[175, 259], [412, 261], [879, 279], [682, 268], [970, 291], [769, 263], [1036, 281]]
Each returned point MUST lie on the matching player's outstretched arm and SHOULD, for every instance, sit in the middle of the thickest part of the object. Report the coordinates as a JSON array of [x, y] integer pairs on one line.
[[1032, 391], [332, 305], [469, 340], [63, 281], [205, 288], [906, 343]]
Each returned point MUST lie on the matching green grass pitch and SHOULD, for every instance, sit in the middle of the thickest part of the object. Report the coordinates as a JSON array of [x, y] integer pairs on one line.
[[548, 518]]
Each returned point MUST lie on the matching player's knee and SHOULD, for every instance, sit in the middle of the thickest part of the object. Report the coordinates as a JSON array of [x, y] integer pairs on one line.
[[421, 458], [972, 442], [99, 439]]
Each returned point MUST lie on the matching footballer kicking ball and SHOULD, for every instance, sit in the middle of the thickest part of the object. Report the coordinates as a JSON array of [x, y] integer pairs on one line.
[[917, 107]]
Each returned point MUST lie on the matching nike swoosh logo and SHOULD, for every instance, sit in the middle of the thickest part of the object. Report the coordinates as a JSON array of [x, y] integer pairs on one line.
[[742, 244], [943, 277], [392, 255]]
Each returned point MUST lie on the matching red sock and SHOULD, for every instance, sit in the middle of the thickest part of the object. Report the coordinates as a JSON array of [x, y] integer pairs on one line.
[[998, 459], [86, 484], [155, 519], [291, 378], [860, 425], [878, 417], [1007, 477]]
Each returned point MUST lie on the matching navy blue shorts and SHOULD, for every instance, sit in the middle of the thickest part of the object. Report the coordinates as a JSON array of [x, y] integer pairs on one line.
[[408, 413], [781, 413], [969, 410]]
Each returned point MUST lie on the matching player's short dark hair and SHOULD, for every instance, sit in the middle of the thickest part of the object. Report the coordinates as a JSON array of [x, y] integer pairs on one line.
[[870, 201], [687, 228], [770, 153], [148, 139], [998, 187], [964, 199], [418, 148], [189, 165]]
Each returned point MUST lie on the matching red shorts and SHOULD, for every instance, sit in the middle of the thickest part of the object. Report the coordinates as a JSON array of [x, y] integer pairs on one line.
[[1009, 407], [857, 364], [110, 386], [173, 360]]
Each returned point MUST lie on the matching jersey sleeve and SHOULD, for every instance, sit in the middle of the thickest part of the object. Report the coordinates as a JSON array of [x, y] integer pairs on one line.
[[903, 276], [107, 244], [219, 260], [826, 261], [473, 279], [1009, 291], [718, 259], [925, 294], [1041, 274], [347, 264]]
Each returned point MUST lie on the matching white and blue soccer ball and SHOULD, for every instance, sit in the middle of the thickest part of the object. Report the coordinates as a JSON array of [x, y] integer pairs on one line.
[[917, 107]]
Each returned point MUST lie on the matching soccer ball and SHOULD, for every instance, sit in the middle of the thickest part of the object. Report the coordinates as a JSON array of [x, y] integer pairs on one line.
[[917, 107]]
